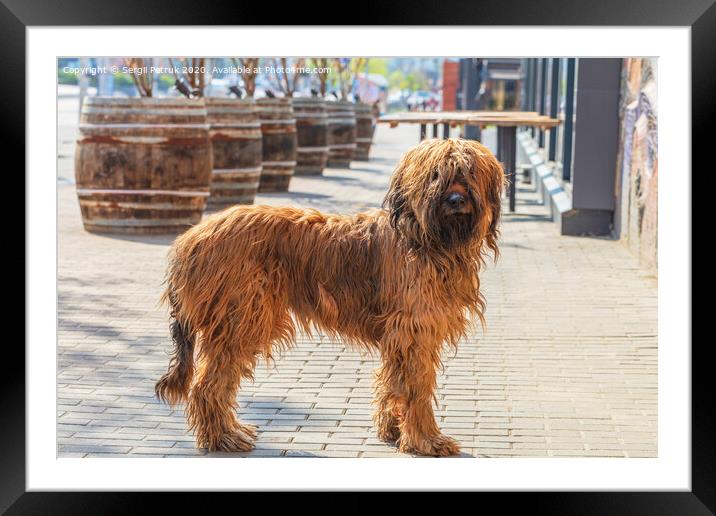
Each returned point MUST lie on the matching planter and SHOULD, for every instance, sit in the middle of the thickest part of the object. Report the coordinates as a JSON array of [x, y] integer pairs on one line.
[[142, 165], [278, 128], [364, 131], [312, 132], [235, 133], [341, 133]]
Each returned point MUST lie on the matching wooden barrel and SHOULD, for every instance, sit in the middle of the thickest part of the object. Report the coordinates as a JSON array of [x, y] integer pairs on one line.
[[364, 131], [278, 128], [142, 165], [312, 132], [341, 133], [235, 133]]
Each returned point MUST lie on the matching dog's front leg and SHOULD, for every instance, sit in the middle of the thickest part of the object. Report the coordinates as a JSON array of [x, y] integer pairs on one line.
[[407, 382], [388, 397]]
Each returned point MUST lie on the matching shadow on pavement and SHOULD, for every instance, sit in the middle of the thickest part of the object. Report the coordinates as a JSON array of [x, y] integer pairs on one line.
[[516, 246], [368, 170], [341, 179], [164, 240], [523, 217], [295, 195], [530, 202]]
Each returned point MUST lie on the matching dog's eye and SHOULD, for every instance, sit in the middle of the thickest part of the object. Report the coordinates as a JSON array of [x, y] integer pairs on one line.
[[435, 175]]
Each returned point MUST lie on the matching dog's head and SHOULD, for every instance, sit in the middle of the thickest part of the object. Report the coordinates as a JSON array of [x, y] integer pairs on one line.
[[445, 195]]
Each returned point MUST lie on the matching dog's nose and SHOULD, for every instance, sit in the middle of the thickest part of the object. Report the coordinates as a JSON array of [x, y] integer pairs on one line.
[[455, 201]]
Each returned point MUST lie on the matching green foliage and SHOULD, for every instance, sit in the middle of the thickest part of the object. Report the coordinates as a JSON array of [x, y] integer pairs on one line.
[[416, 81], [164, 81], [122, 80], [413, 81], [378, 66], [67, 77], [396, 80]]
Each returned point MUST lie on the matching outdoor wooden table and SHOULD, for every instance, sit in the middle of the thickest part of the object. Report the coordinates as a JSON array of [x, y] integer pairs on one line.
[[507, 123]]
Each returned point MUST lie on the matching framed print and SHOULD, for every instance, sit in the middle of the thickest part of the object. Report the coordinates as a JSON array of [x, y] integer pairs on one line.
[[360, 247]]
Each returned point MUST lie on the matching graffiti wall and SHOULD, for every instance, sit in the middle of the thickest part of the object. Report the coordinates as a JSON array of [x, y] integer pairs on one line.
[[637, 171]]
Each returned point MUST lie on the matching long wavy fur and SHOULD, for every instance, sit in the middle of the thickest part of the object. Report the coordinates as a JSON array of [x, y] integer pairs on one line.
[[402, 281]]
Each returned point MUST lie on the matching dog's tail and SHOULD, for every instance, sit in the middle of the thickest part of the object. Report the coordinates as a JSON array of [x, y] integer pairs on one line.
[[173, 387]]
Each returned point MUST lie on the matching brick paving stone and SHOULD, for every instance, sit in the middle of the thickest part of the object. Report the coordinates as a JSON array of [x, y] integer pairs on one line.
[[567, 365]]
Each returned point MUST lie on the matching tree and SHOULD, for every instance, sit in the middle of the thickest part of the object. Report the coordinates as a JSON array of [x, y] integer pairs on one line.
[[358, 66], [396, 80], [286, 74], [348, 70], [322, 66], [416, 81], [378, 66], [344, 75], [191, 75], [248, 68], [140, 71]]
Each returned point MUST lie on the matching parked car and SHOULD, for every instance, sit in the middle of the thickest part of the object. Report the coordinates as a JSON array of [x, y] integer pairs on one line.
[[423, 101]]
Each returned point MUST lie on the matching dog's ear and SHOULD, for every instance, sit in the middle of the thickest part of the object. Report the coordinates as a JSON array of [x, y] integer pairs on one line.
[[402, 217], [396, 204], [495, 186]]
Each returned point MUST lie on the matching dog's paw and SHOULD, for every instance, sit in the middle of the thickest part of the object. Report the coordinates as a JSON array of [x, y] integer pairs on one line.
[[249, 429], [389, 433], [437, 446], [386, 427], [240, 440]]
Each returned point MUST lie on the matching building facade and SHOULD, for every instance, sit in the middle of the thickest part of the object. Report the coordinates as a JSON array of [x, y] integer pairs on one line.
[[598, 171]]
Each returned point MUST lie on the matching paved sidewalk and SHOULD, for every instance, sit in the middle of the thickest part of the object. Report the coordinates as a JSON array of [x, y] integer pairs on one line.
[[567, 366]]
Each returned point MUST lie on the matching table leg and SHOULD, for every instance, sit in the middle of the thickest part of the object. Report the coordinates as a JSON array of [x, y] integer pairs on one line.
[[423, 131], [507, 153], [500, 139]]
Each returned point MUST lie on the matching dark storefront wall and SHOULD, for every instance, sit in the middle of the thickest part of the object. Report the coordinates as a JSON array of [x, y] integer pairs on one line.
[[584, 95]]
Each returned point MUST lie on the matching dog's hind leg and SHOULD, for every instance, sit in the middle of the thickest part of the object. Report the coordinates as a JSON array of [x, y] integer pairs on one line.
[[211, 408], [256, 318]]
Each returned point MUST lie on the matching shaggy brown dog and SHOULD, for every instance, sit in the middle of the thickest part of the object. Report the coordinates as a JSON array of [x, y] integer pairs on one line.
[[402, 280]]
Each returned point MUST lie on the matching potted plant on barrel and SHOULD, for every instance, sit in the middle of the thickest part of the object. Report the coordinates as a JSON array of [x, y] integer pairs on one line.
[[248, 70], [322, 66], [341, 119], [344, 75], [309, 113], [364, 114], [142, 74], [235, 131], [278, 128], [191, 74], [142, 165], [286, 74]]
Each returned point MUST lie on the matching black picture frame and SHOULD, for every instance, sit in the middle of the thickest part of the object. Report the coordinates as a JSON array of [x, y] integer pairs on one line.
[[700, 15]]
